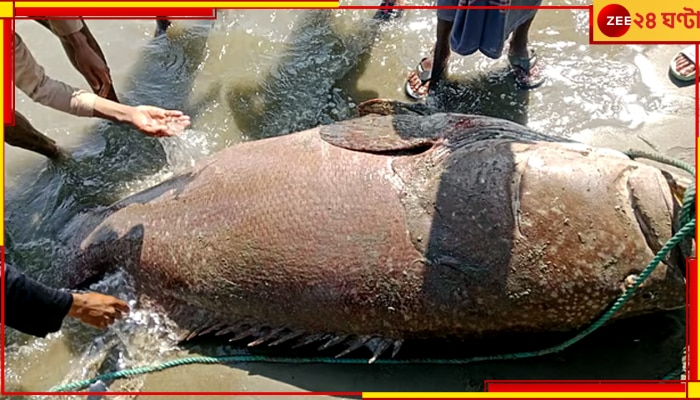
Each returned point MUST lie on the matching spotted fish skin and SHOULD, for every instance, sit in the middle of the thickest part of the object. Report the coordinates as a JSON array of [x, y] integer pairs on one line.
[[381, 229]]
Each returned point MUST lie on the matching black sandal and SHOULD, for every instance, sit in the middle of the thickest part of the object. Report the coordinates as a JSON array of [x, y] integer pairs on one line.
[[424, 75]]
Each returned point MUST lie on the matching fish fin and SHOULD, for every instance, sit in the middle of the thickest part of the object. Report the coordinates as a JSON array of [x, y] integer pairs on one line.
[[380, 134], [186, 335], [397, 347], [201, 331], [212, 328], [356, 344], [310, 339], [273, 334], [392, 107], [287, 337], [459, 130], [252, 331], [194, 333], [378, 346], [226, 330], [414, 134], [333, 341]]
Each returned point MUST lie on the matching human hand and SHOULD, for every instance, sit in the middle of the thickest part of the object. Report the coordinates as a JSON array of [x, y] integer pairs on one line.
[[90, 64], [158, 122], [97, 310]]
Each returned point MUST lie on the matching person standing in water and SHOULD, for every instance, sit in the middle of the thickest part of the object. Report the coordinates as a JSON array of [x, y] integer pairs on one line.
[[466, 31], [31, 79], [389, 12]]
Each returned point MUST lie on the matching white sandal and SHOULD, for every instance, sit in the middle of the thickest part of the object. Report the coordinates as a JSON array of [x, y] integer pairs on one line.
[[690, 53]]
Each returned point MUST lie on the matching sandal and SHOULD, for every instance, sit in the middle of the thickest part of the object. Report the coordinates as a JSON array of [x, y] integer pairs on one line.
[[689, 53], [387, 14], [424, 75], [528, 71]]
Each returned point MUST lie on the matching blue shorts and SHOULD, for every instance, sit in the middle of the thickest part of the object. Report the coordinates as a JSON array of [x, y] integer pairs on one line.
[[447, 15]]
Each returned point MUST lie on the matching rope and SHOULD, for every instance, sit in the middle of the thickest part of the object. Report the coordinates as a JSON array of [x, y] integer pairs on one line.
[[687, 220], [675, 374], [661, 159]]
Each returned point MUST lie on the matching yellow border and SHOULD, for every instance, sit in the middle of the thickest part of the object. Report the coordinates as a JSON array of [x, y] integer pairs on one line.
[[522, 395], [694, 390], [693, 387], [2, 129], [187, 4]]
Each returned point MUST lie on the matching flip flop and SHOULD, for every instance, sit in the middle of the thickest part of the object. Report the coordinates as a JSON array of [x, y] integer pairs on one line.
[[689, 52], [528, 71], [424, 76], [388, 13]]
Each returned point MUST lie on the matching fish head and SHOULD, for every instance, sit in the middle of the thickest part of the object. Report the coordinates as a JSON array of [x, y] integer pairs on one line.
[[656, 199]]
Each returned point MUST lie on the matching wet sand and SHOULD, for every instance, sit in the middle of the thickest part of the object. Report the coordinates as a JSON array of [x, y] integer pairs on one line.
[[611, 96]]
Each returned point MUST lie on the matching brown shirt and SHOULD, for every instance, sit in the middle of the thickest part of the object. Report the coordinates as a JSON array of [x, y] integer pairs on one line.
[[31, 79]]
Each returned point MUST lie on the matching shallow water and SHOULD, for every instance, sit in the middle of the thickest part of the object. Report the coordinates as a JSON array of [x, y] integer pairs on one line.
[[254, 74]]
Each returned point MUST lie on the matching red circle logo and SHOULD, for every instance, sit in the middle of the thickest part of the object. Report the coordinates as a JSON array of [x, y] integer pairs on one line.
[[614, 20]]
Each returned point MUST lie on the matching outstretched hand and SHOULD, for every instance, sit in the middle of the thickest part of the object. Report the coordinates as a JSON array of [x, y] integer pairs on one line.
[[97, 310], [158, 122]]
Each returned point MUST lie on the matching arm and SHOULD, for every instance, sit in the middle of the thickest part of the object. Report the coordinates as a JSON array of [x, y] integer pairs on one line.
[[31, 307], [38, 310], [85, 54], [31, 79], [66, 28]]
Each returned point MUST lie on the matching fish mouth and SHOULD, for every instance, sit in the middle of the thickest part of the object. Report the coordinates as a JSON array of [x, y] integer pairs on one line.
[[686, 248]]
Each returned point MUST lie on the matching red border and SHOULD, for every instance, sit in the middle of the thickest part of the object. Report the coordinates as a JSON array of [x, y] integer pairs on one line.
[[2, 314], [492, 386], [150, 12], [9, 69], [692, 322], [604, 386]]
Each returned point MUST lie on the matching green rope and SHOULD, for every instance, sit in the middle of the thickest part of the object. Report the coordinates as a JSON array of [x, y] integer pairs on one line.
[[688, 210], [661, 159], [686, 219], [675, 374]]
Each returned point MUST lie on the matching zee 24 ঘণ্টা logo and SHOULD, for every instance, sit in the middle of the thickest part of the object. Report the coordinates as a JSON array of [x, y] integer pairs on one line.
[[614, 20]]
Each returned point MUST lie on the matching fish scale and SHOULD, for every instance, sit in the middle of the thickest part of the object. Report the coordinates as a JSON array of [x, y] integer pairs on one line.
[[383, 229]]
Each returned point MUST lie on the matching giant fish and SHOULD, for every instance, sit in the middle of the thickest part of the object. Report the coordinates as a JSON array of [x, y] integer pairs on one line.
[[381, 229]]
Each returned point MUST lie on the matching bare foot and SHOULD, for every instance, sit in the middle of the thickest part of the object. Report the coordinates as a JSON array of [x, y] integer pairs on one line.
[[418, 82]]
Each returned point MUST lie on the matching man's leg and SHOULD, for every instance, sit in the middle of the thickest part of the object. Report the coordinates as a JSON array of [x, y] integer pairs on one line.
[[432, 68], [528, 70], [25, 136], [518, 44], [442, 50], [162, 25]]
